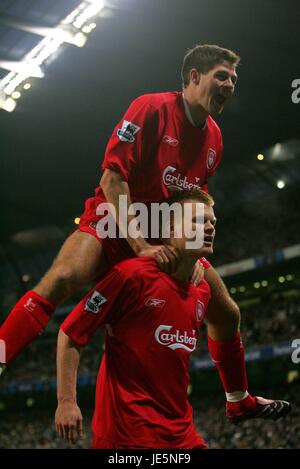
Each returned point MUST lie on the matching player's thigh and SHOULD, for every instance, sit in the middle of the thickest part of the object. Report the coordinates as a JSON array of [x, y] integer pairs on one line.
[[80, 260], [82, 254], [221, 307]]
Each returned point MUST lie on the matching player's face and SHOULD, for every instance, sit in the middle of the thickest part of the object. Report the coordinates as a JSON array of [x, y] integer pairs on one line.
[[216, 87], [209, 221]]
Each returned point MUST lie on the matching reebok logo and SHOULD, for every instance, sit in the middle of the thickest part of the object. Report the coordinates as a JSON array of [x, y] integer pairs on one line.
[[155, 302], [170, 140]]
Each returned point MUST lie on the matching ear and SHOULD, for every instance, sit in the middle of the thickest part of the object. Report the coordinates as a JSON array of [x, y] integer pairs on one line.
[[195, 76]]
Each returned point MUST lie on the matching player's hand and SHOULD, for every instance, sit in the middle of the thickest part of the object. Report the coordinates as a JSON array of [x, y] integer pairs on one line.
[[198, 274], [166, 256], [68, 421]]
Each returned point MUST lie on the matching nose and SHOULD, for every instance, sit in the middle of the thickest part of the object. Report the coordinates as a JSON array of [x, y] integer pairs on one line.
[[229, 85], [209, 228]]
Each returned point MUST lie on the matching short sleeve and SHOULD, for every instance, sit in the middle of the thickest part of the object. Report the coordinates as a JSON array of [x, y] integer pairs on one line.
[[131, 137], [104, 302]]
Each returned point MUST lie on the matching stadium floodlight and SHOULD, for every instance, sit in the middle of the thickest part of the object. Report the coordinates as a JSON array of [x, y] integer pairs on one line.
[[62, 33], [67, 33], [280, 184], [69, 30], [26, 278], [79, 40], [7, 104], [16, 95], [31, 69], [88, 12]]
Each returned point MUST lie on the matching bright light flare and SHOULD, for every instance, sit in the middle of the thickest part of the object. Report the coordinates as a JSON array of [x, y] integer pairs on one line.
[[280, 184]]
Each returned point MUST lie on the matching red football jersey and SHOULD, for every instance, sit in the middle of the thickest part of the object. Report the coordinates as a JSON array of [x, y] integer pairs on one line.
[[157, 149], [152, 322]]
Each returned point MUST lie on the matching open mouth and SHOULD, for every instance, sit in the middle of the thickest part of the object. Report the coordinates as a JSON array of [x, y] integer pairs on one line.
[[220, 99], [208, 240]]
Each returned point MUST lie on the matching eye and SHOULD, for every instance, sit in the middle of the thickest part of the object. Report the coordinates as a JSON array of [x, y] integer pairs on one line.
[[221, 77], [224, 77]]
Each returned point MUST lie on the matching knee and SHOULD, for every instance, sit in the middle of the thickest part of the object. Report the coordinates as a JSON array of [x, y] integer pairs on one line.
[[63, 275]]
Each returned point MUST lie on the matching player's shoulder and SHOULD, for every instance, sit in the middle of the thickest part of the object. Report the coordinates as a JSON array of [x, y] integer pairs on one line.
[[137, 267], [157, 100]]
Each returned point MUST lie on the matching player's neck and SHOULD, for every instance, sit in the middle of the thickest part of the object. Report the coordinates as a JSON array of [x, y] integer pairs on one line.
[[185, 268], [195, 113]]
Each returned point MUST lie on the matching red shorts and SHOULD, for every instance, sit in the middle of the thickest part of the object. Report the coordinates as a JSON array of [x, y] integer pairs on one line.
[[100, 443], [115, 249]]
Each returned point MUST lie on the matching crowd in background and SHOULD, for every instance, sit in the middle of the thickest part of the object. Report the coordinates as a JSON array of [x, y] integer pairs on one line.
[[268, 322], [35, 429], [246, 232]]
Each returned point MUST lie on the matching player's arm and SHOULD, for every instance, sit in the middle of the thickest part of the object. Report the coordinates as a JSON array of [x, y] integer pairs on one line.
[[106, 301], [68, 417], [113, 186], [132, 141]]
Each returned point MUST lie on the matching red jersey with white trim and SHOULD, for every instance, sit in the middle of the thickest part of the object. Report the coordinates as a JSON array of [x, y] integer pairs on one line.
[[157, 149], [152, 323]]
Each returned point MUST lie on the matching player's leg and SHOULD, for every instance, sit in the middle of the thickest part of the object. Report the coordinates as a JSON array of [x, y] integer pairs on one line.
[[224, 342], [80, 260], [227, 351]]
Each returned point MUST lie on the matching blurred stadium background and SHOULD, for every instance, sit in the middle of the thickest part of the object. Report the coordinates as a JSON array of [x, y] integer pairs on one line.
[[51, 145]]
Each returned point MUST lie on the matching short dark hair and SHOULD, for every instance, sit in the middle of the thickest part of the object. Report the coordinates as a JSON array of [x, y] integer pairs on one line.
[[195, 194], [179, 196], [205, 57]]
